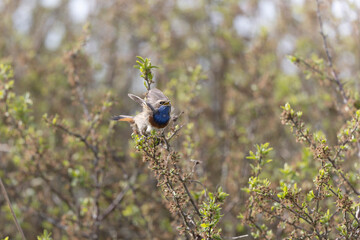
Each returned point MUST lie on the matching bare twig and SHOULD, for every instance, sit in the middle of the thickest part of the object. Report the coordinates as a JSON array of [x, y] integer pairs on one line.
[[80, 94], [328, 55], [114, 203], [119, 197], [95, 151], [240, 237], [188, 193], [168, 147], [175, 132], [315, 70], [54, 190], [187, 219], [301, 214], [74, 79], [54, 222], [57, 223], [343, 176], [332, 161], [182, 213], [81, 138], [130, 182], [3, 190]]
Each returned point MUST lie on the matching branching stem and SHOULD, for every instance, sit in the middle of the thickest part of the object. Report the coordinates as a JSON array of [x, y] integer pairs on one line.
[[6, 196]]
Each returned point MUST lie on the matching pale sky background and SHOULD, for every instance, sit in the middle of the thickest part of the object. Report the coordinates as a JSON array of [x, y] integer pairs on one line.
[[245, 26]]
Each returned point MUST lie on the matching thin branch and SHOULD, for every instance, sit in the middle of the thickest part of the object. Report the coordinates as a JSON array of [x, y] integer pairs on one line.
[[131, 185], [3, 190], [288, 222], [176, 167], [96, 216], [57, 223], [81, 138], [54, 190], [305, 217], [54, 222], [315, 70], [80, 94], [176, 199], [169, 185], [188, 193], [175, 132], [95, 152], [343, 144], [328, 55], [114, 203], [332, 161], [239, 237], [165, 140], [74, 77]]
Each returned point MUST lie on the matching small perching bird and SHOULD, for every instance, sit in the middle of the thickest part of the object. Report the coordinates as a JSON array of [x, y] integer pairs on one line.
[[155, 114]]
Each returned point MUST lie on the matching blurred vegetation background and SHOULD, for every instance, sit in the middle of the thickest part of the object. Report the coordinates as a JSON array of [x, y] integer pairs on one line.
[[224, 63]]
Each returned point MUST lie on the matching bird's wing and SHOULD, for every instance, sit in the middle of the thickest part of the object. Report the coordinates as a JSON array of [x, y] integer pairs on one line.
[[145, 104], [137, 99], [154, 95]]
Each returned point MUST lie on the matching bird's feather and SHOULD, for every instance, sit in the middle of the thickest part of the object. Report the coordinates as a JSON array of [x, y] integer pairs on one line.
[[123, 118], [154, 95], [137, 99], [142, 102]]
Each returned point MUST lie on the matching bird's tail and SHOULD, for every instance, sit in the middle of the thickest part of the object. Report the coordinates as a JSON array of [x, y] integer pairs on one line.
[[123, 118]]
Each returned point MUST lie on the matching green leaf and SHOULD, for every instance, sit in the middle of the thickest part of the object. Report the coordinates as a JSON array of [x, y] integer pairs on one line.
[[140, 64], [140, 58], [293, 59], [310, 196], [45, 236], [287, 107], [205, 225]]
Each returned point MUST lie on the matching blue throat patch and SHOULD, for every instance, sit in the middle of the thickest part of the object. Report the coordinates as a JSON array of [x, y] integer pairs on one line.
[[162, 116]]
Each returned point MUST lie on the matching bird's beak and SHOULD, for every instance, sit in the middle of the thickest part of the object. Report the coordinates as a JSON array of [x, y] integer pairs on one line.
[[167, 103]]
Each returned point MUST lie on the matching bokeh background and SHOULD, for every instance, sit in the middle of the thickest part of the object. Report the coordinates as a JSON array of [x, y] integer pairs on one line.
[[224, 63]]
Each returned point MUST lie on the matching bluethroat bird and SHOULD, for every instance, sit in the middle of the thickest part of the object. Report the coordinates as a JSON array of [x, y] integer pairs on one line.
[[155, 114]]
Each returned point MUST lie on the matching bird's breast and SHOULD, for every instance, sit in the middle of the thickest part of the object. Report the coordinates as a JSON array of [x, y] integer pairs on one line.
[[159, 121]]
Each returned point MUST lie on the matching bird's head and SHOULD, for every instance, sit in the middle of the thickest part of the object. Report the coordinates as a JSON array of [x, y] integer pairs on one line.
[[162, 104]]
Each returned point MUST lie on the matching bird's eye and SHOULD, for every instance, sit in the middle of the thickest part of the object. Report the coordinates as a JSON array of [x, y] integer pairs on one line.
[[162, 102]]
